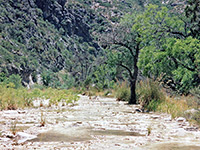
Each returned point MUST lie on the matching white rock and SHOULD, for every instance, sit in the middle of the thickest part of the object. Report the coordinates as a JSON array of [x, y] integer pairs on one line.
[[36, 103], [168, 119], [45, 102], [192, 111], [10, 112], [180, 119], [23, 137], [5, 139]]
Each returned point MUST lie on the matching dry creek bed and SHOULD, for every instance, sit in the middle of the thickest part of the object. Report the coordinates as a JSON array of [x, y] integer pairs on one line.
[[95, 124]]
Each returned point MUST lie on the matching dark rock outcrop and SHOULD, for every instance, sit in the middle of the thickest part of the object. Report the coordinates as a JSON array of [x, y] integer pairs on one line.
[[72, 21]]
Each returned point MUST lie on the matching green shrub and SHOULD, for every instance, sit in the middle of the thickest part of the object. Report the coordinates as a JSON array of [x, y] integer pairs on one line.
[[149, 94], [2, 77], [196, 117], [153, 105], [15, 79], [123, 92], [195, 92]]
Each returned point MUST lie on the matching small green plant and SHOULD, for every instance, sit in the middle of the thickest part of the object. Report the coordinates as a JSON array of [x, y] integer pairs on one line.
[[173, 106], [42, 119], [149, 129], [153, 105], [13, 127]]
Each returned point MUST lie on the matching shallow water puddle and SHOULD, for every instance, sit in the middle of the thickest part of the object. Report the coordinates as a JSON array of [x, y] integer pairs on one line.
[[174, 146], [58, 137], [79, 135], [116, 133]]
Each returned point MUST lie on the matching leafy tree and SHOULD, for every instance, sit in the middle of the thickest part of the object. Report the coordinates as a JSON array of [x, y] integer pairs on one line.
[[192, 12], [163, 45], [170, 49], [127, 45]]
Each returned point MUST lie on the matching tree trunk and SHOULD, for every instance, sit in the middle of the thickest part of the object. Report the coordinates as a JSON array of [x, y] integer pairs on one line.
[[133, 99]]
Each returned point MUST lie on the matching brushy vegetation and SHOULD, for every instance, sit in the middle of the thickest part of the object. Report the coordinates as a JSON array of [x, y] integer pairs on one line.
[[152, 97], [123, 91], [149, 94], [11, 98], [173, 106]]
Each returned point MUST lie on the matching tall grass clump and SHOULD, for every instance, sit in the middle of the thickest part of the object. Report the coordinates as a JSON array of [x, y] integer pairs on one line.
[[149, 94], [123, 91], [11, 98], [175, 107]]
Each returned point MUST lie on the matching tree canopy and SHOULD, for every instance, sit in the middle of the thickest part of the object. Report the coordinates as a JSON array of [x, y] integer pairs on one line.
[[161, 43]]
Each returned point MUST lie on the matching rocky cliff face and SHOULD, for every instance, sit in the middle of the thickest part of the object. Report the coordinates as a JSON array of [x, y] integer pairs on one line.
[[38, 36], [72, 21]]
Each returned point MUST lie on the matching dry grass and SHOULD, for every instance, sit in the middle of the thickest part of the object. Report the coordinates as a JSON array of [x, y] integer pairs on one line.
[[42, 119], [11, 98], [13, 127], [122, 91], [175, 107], [149, 94]]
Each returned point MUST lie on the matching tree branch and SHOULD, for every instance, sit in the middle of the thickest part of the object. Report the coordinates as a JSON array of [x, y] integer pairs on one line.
[[126, 46], [128, 69], [182, 64]]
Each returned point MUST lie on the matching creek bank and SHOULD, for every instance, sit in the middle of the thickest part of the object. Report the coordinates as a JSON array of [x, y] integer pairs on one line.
[[101, 123]]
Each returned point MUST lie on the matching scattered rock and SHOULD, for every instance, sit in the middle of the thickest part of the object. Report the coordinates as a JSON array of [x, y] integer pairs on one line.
[[9, 135], [138, 110], [180, 119], [168, 119], [155, 117], [88, 118], [191, 128]]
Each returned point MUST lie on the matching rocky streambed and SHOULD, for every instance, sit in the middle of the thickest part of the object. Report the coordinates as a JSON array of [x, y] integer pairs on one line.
[[95, 124]]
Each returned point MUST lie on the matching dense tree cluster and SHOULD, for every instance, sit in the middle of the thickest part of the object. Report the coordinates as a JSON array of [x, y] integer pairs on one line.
[[162, 43]]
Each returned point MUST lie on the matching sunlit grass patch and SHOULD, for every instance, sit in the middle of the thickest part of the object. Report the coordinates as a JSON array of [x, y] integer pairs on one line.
[[173, 106], [11, 98]]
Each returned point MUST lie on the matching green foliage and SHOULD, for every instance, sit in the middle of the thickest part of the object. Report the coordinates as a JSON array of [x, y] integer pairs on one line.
[[149, 94], [2, 77], [168, 48], [103, 77], [13, 81], [179, 61], [16, 80], [11, 98], [123, 92], [192, 12], [196, 92]]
